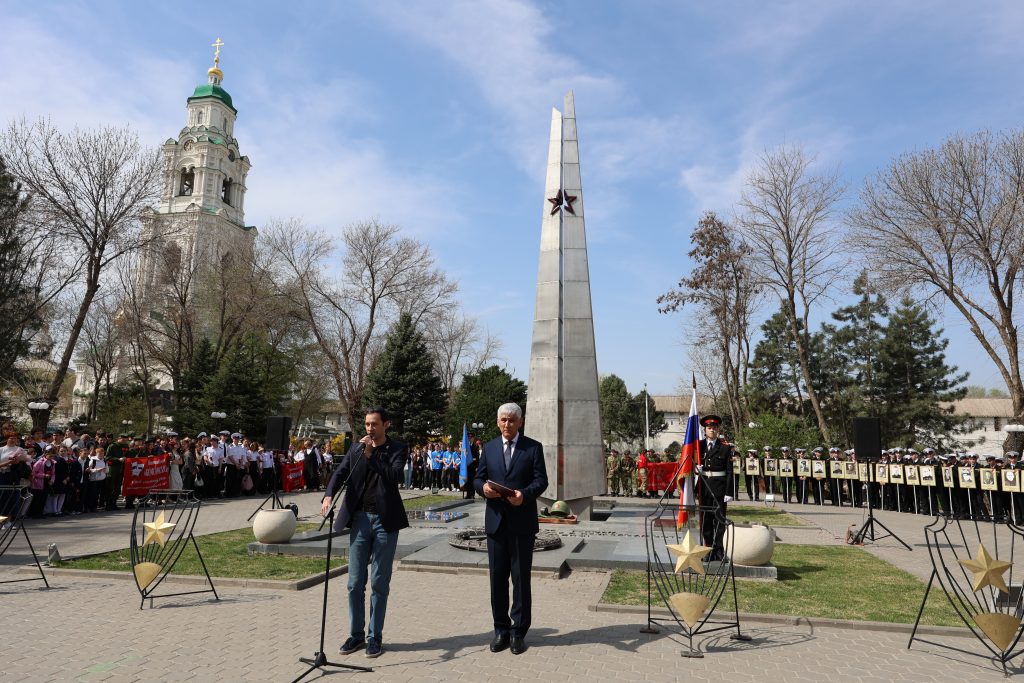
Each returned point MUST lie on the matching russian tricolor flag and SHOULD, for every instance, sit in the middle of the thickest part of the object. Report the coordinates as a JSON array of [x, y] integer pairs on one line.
[[689, 458]]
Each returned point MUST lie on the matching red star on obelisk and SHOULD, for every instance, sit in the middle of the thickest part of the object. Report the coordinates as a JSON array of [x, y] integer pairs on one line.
[[561, 200]]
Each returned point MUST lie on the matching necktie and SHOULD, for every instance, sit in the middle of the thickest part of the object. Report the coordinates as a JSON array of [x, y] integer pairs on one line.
[[508, 455]]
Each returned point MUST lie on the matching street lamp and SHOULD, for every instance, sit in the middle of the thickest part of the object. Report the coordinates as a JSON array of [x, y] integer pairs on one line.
[[38, 405]]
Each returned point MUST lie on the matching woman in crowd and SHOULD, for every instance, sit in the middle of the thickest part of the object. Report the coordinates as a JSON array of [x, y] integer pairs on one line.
[[42, 480], [96, 473], [176, 461], [189, 465]]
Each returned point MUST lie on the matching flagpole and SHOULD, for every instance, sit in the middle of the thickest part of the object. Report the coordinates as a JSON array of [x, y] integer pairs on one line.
[[647, 420]]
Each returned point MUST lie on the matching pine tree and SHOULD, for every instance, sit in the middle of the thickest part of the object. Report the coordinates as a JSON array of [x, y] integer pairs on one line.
[[913, 380], [18, 303], [404, 382], [775, 384], [191, 414], [242, 389], [477, 400]]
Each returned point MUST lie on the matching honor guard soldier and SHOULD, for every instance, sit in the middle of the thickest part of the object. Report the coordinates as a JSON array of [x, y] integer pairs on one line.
[[611, 473], [626, 467], [115, 455], [238, 463], [802, 483], [716, 463], [835, 486], [751, 453]]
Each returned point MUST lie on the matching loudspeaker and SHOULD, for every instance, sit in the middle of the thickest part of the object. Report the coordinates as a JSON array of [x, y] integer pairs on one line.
[[867, 438], [278, 427]]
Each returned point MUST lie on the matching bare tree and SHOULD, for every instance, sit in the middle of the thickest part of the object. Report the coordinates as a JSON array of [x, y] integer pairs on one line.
[[382, 274], [726, 292], [89, 189], [99, 346], [949, 223], [785, 218]]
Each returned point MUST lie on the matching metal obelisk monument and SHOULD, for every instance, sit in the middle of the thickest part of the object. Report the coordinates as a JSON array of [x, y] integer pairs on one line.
[[562, 409]]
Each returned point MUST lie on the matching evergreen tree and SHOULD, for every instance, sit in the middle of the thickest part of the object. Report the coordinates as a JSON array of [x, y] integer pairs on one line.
[[615, 401], [18, 299], [244, 387], [775, 384], [404, 382], [913, 380], [478, 398], [192, 414]]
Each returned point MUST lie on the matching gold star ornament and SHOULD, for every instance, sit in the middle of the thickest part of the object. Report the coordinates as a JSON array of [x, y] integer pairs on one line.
[[688, 554], [3, 519], [157, 531], [987, 570]]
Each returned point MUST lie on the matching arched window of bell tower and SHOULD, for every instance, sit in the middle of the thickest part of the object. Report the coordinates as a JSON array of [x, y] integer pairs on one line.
[[226, 188], [188, 182]]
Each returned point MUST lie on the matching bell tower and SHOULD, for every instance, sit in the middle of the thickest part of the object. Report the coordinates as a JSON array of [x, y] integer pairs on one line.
[[201, 214]]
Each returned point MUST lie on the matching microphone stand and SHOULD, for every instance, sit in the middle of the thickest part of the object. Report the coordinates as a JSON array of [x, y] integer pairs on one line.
[[319, 659]]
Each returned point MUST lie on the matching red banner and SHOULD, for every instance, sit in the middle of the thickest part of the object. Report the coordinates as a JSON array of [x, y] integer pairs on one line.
[[659, 476], [291, 476], [142, 475]]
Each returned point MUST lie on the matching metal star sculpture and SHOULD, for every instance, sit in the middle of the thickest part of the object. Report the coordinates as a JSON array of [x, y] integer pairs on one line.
[[560, 201], [157, 531], [688, 554], [3, 519], [987, 570]]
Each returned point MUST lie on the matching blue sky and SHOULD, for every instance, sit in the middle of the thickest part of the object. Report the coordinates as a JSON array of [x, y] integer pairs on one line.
[[435, 115]]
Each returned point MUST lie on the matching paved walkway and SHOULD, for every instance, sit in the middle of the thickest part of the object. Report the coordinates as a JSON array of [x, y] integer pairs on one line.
[[438, 628]]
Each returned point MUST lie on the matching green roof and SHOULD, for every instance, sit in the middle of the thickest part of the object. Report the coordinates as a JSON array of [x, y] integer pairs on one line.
[[210, 90]]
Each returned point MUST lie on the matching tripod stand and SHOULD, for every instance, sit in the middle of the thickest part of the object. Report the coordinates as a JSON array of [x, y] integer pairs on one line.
[[867, 530], [319, 659], [273, 498]]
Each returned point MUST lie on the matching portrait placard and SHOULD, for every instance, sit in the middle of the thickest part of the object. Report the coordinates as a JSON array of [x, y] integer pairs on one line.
[[948, 477], [818, 467], [989, 482], [895, 473], [753, 468], [803, 467], [863, 471], [928, 475], [836, 468], [785, 467], [966, 477], [911, 472], [736, 467], [1011, 480], [850, 467], [882, 473], [771, 467]]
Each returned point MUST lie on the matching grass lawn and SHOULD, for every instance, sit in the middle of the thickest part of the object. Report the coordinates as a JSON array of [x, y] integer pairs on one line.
[[746, 514], [818, 581], [226, 554]]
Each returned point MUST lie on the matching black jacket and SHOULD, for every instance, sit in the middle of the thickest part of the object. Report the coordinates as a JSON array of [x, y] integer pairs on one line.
[[388, 461], [528, 474]]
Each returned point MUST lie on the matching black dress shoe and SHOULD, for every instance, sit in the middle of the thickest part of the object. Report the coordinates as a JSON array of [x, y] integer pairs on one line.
[[518, 645], [500, 642]]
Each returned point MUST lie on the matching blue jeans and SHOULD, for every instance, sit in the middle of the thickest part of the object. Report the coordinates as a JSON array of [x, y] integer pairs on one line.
[[368, 541], [408, 476]]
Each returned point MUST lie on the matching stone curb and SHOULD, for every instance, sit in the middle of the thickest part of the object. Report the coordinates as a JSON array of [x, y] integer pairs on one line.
[[813, 622], [218, 581]]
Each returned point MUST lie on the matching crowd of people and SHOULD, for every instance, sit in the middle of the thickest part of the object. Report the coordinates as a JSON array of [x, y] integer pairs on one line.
[[75, 472], [963, 484]]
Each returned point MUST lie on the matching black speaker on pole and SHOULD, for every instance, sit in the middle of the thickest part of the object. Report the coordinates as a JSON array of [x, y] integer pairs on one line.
[[867, 438], [278, 427]]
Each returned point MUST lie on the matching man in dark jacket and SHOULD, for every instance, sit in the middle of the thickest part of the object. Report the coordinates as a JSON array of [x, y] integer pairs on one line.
[[515, 463], [373, 510]]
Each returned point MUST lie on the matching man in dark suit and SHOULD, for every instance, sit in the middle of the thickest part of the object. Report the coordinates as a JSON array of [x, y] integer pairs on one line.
[[516, 462], [716, 463], [373, 510]]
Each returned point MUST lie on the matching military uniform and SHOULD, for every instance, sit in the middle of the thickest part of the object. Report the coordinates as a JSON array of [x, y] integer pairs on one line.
[[641, 474], [611, 473], [751, 483], [116, 453], [626, 469], [716, 464]]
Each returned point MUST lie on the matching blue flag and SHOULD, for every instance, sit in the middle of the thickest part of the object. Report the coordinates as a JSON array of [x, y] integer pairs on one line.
[[466, 456]]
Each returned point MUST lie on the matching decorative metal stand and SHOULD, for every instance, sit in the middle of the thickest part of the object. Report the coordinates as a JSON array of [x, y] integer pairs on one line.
[[161, 530], [974, 562], [319, 659], [14, 504], [678, 570]]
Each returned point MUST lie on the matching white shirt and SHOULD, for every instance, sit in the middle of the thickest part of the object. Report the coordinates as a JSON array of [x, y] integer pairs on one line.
[[213, 454], [237, 454], [99, 469], [505, 443], [266, 459], [8, 453]]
